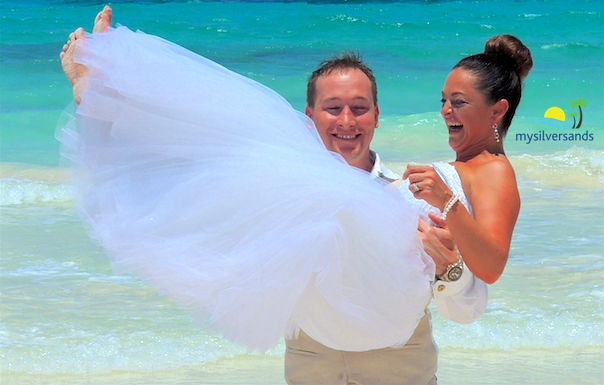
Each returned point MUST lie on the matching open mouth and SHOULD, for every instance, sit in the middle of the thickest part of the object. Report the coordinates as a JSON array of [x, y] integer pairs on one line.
[[455, 127]]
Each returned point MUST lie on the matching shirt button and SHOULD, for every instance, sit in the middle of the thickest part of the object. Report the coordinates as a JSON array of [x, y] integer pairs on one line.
[[441, 287]]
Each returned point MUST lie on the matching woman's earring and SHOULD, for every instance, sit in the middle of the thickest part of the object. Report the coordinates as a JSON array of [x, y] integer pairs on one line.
[[495, 126]]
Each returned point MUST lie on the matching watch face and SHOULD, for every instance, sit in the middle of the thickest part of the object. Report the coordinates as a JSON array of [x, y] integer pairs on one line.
[[455, 273]]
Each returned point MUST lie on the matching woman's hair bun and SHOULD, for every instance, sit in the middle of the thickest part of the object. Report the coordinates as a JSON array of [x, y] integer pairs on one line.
[[510, 51]]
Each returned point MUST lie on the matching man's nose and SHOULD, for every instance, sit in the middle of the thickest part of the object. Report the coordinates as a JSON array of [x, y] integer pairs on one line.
[[346, 118]]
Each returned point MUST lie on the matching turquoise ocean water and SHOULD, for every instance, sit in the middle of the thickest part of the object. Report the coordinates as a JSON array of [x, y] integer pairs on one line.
[[66, 318]]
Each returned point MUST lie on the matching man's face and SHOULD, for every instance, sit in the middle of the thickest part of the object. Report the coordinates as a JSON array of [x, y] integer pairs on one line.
[[345, 115]]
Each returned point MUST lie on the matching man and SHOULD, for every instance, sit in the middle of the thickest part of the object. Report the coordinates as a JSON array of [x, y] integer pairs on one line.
[[342, 103]]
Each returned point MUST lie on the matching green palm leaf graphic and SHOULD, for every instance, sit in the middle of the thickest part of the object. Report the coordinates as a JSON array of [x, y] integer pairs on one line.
[[579, 103], [574, 116]]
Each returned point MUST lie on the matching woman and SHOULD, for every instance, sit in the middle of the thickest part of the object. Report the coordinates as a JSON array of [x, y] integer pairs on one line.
[[479, 99]]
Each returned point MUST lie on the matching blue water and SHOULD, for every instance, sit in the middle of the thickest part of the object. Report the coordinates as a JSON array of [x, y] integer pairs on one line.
[[64, 312]]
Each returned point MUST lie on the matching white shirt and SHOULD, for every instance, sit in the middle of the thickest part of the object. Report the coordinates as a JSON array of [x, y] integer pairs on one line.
[[462, 301]]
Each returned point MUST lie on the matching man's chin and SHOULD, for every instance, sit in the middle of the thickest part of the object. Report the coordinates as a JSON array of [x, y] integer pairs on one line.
[[351, 158], [349, 154]]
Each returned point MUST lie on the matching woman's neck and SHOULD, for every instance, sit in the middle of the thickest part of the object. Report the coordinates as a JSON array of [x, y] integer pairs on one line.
[[472, 152]]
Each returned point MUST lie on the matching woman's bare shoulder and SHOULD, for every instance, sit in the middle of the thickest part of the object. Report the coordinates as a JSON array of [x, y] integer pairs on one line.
[[486, 171], [486, 163]]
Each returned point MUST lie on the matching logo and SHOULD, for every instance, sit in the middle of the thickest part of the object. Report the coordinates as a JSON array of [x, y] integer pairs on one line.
[[555, 117]]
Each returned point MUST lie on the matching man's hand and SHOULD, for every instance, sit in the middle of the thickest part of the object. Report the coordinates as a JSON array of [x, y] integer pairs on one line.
[[438, 243]]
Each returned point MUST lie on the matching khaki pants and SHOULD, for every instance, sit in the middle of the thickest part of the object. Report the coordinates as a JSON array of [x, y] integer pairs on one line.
[[307, 362]]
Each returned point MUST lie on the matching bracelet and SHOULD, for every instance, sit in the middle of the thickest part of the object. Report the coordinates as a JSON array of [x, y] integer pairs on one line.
[[449, 206]]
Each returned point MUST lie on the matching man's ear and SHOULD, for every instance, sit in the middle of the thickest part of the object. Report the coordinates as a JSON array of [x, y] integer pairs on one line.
[[377, 116], [308, 111], [500, 109]]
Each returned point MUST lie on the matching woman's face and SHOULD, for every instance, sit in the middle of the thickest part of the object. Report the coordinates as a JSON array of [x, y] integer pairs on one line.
[[467, 114]]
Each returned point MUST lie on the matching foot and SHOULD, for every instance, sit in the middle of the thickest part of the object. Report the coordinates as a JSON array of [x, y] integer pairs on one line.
[[102, 22], [77, 73]]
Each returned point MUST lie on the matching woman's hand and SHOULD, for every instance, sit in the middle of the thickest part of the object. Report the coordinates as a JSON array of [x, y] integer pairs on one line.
[[426, 184]]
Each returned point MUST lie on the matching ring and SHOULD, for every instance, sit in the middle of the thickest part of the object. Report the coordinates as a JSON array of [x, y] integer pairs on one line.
[[416, 187]]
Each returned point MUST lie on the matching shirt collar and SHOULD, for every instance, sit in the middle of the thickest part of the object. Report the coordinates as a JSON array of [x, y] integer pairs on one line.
[[381, 171]]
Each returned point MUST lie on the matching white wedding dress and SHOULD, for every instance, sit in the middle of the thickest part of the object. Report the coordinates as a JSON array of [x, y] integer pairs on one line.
[[218, 192]]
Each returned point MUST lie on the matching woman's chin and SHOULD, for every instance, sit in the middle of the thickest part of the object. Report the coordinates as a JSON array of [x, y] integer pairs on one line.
[[454, 143]]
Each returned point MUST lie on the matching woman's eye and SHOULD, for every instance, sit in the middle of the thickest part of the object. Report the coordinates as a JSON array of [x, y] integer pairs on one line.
[[442, 101], [458, 103]]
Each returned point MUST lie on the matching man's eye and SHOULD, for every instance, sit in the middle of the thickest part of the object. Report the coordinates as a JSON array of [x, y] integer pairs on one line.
[[357, 111]]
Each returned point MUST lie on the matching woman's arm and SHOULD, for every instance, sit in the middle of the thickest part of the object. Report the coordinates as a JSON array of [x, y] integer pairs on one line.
[[490, 186]]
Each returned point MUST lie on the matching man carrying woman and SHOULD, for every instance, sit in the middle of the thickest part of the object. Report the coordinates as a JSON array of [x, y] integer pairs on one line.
[[335, 252]]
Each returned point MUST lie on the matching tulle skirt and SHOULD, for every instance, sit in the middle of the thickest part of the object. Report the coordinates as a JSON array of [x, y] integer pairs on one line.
[[217, 191]]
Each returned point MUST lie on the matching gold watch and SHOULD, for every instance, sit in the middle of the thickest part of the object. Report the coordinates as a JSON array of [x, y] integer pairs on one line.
[[453, 272]]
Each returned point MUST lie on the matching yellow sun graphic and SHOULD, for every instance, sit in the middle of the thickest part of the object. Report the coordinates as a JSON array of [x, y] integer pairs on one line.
[[555, 113]]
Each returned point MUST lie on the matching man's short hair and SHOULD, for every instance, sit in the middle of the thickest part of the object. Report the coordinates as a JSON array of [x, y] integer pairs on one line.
[[342, 62]]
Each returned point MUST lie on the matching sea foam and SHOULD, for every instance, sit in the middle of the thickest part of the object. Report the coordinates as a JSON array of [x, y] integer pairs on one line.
[[19, 192]]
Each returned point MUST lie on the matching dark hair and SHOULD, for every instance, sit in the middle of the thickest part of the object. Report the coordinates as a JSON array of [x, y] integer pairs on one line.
[[500, 71], [345, 61]]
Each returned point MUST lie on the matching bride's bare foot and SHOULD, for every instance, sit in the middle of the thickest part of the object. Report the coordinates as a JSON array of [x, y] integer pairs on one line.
[[102, 22], [77, 73]]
